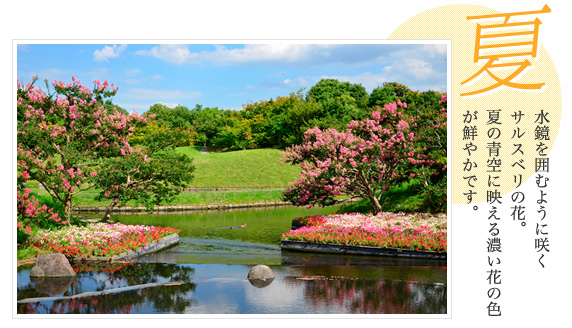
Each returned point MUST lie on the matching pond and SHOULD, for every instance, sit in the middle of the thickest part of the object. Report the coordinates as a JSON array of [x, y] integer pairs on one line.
[[211, 263]]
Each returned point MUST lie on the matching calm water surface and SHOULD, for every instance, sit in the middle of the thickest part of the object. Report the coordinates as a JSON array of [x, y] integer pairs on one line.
[[211, 264]]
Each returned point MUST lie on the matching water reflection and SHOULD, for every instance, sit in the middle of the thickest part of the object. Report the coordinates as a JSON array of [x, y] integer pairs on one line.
[[164, 299], [368, 296], [220, 289], [52, 286]]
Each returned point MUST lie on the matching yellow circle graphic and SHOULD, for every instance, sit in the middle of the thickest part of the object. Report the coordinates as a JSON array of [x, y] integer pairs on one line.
[[503, 136]]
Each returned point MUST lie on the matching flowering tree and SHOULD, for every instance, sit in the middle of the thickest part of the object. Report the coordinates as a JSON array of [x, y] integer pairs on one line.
[[64, 137], [365, 160], [30, 213]]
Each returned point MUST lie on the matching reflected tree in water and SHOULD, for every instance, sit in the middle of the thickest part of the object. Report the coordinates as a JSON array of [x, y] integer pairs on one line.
[[368, 296], [162, 299]]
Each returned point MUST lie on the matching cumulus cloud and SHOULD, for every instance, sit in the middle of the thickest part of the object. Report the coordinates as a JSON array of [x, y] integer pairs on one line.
[[434, 50], [173, 53], [249, 53], [108, 52], [293, 54], [259, 53], [411, 64]]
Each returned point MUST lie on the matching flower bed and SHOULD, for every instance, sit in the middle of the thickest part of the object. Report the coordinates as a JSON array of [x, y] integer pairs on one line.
[[98, 239], [419, 231]]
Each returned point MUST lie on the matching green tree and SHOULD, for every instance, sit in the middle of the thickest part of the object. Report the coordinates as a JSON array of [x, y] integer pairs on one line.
[[206, 122], [328, 89], [110, 107], [399, 90], [430, 128], [341, 102], [382, 96], [176, 117], [145, 177]]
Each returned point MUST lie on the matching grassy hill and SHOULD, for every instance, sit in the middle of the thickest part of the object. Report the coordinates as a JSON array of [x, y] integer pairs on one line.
[[254, 168]]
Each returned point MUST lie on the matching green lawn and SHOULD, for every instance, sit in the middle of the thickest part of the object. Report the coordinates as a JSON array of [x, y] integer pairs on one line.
[[254, 168], [257, 168], [403, 198]]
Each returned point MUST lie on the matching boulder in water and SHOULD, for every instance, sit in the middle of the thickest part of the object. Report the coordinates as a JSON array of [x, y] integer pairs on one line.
[[52, 265]]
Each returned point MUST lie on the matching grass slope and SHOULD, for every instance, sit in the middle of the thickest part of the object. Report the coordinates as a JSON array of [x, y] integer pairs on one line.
[[406, 198], [254, 168]]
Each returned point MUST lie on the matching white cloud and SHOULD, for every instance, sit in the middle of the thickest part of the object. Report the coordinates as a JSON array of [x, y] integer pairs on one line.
[[134, 81], [180, 54], [133, 71], [52, 74], [171, 105], [299, 82], [24, 47], [160, 94], [108, 52], [49, 73], [258, 53], [174, 53], [434, 50], [134, 106], [420, 69]]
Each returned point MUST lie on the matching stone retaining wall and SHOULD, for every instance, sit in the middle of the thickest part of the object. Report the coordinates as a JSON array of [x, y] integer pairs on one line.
[[228, 189], [185, 208], [298, 246], [180, 208]]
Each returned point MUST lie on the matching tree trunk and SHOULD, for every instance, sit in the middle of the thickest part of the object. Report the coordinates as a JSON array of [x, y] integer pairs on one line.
[[109, 210], [375, 204], [68, 209], [370, 193]]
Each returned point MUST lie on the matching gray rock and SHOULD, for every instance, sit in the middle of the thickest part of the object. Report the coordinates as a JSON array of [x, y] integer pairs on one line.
[[37, 272], [260, 276], [52, 265], [261, 272]]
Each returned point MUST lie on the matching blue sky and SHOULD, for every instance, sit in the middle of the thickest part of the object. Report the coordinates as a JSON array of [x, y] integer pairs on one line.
[[228, 76]]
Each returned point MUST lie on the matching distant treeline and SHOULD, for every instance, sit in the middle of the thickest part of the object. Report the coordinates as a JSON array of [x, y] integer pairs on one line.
[[281, 122]]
